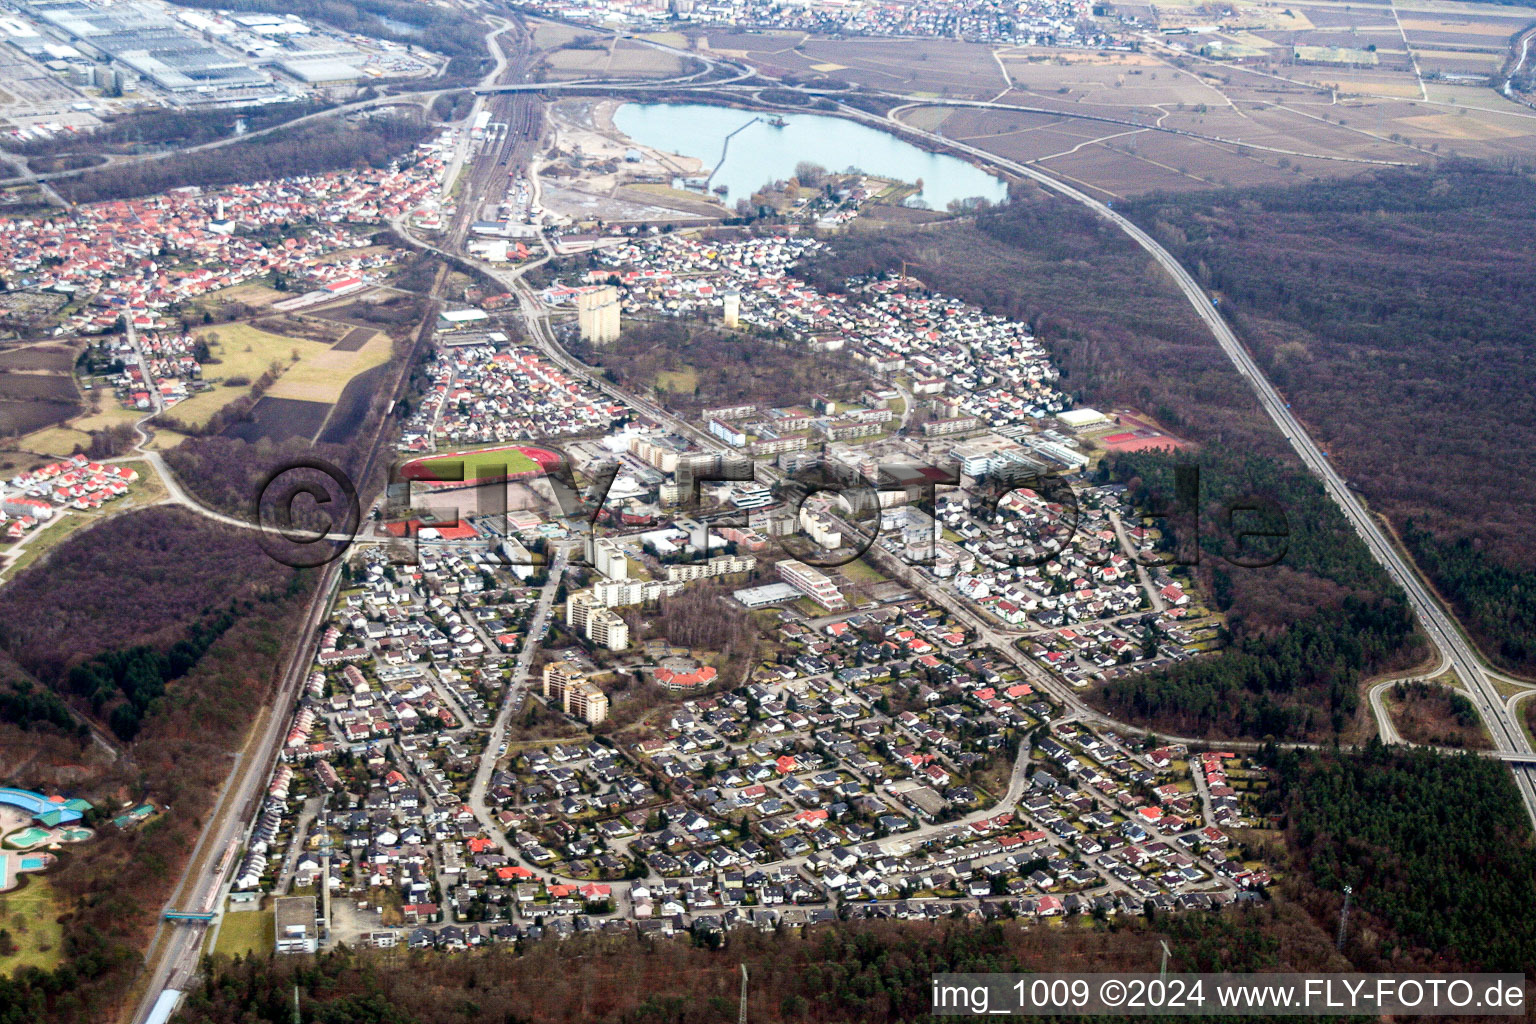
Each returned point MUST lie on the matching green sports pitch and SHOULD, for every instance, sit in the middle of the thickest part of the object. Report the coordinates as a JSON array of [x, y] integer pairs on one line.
[[480, 464]]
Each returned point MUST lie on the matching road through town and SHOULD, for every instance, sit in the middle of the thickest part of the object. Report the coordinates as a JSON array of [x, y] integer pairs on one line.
[[1436, 622]]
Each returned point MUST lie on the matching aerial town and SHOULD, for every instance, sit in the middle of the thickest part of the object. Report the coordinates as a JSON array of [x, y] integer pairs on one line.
[[497, 741], [56, 62], [793, 462], [493, 741], [1028, 22]]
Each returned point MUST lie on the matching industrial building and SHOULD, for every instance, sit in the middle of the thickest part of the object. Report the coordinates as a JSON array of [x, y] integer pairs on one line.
[[153, 45], [762, 597], [297, 930]]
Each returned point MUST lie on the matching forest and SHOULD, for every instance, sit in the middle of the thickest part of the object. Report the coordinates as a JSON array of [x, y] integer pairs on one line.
[[845, 972], [1437, 848], [26, 704], [141, 674], [144, 578], [1495, 600], [162, 128], [325, 144], [158, 609], [1303, 683], [1304, 631], [227, 473], [1393, 310]]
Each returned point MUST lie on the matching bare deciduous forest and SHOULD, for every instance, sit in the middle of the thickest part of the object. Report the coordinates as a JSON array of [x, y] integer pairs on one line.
[[1394, 310], [197, 616]]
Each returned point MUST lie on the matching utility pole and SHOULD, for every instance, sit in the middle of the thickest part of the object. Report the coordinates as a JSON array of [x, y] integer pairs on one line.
[[296, 1018], [741, 1017], [1344, 915]]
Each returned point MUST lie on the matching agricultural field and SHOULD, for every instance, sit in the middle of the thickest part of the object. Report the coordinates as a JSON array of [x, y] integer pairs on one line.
[[347, 416], [250, 296], [244, 354], [37, 387], [322, 376], [931, 67], [627, 60], [773, 52], [918, 67], [551, 35], [315, 361], [1254, 94], [56, 442], [1334, 97], [277, 419]]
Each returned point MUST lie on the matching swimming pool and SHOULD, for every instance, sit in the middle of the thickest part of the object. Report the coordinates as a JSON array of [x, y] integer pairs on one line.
[[28, 837], [34, 863]]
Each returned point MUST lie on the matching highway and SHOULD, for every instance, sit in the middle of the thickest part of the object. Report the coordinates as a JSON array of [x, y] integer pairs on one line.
[[1441, 629], [176, 948]]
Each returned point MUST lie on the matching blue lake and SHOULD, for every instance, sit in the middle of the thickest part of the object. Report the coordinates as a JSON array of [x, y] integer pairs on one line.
[[760, 153]]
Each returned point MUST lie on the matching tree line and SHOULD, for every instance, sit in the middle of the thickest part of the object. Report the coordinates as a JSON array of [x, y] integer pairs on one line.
[[165, 128], [325, 144], [871, 972]]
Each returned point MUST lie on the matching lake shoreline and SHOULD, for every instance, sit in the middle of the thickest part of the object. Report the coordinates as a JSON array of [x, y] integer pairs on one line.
[[762, 153]]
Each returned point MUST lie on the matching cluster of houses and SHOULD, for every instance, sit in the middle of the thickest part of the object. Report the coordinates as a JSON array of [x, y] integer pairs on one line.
[[481, 391], [867, 761], [76, 483], [818, 775], [136, 258], [974, 368], [1016, 22]]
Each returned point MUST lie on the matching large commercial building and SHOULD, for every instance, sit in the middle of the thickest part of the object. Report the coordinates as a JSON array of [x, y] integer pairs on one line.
[[152, 44], [768, 594]]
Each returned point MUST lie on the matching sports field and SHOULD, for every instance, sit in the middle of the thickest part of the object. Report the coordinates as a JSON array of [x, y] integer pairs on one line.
[[482, 463]]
